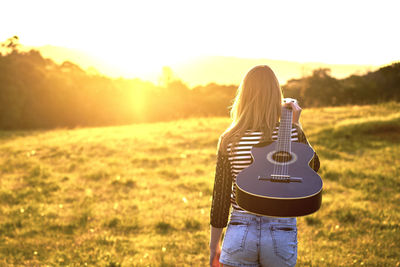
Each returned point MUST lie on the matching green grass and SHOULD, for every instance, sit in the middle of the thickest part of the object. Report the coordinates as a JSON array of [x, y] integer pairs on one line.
[[139, 195]]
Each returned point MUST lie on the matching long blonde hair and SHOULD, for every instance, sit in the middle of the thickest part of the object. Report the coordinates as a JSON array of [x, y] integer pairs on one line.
[[257, 106]]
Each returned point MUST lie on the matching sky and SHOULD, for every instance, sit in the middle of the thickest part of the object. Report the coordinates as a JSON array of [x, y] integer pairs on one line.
[[140, 36]]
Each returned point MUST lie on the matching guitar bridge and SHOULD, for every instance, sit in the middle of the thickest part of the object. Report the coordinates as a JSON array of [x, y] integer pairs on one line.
[[280, 178]]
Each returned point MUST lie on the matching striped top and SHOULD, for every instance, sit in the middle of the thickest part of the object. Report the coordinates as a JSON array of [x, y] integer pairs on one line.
[[230, 165]]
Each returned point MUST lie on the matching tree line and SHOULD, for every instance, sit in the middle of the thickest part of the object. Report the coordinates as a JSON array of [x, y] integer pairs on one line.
[[35, 92], [321, 89]]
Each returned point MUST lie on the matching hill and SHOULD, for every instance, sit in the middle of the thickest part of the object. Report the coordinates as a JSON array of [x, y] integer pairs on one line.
[[36, 92], [230, 70], [207, 69], [139, 195]]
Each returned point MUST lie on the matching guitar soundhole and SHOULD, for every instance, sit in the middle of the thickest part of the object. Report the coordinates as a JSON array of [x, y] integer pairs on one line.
[[282, 156]]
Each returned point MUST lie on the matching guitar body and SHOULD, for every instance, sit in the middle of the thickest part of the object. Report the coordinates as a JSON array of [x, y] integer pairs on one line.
[[280, 183]]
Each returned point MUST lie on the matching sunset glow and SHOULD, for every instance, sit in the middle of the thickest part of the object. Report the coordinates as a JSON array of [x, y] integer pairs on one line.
[[139, 37]]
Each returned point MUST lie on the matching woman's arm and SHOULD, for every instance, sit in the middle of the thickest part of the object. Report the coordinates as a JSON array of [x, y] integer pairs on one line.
[[314, 163], [221, 202], [215, 237], [221, 198], [214, 242]]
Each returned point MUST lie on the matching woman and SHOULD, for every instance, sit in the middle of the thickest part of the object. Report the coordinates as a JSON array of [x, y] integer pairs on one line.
[[252, 240]]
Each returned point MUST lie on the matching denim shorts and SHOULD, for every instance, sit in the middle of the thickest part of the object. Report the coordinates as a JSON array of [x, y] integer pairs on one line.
[[252, 240]]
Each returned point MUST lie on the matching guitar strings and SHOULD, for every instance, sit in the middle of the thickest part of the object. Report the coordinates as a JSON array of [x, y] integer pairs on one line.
[[289, 140], [287, 135], [284, 144], [289, 129]]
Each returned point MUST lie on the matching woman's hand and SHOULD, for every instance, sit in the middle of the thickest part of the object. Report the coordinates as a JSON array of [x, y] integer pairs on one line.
[[296, 112], [214, 257]]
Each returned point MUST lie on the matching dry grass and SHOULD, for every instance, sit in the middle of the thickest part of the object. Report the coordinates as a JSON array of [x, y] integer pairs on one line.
[[139, 195]]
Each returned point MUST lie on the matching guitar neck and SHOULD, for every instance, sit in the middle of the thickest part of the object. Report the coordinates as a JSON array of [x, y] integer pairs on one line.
[[285, 130]]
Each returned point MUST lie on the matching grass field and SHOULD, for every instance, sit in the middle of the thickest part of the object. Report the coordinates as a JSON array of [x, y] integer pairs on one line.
[[139, 195]]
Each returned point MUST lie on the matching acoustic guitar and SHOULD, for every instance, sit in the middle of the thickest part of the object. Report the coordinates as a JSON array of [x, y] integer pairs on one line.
[[279, 182]]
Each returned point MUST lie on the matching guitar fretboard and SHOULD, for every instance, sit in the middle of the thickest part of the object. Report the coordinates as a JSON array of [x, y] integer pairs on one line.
[[285, 128]]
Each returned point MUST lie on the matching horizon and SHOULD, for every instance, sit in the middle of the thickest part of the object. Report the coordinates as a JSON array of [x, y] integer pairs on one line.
[[187, 71], [139, 38]]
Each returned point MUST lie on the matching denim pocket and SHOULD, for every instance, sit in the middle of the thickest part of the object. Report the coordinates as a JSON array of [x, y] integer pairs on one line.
[[235, 236], [284, 237]]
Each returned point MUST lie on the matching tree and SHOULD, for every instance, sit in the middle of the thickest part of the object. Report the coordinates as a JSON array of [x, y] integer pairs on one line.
[[321, 89], [10, 45]]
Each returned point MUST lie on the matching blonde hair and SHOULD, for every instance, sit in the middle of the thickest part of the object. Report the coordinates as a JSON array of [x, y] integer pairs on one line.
[[257, 106]]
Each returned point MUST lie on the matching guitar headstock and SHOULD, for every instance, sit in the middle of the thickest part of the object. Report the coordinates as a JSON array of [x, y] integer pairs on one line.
[[289, 100]]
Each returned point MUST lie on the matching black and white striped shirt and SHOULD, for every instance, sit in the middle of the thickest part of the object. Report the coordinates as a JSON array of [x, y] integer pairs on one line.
[[230, 165]]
